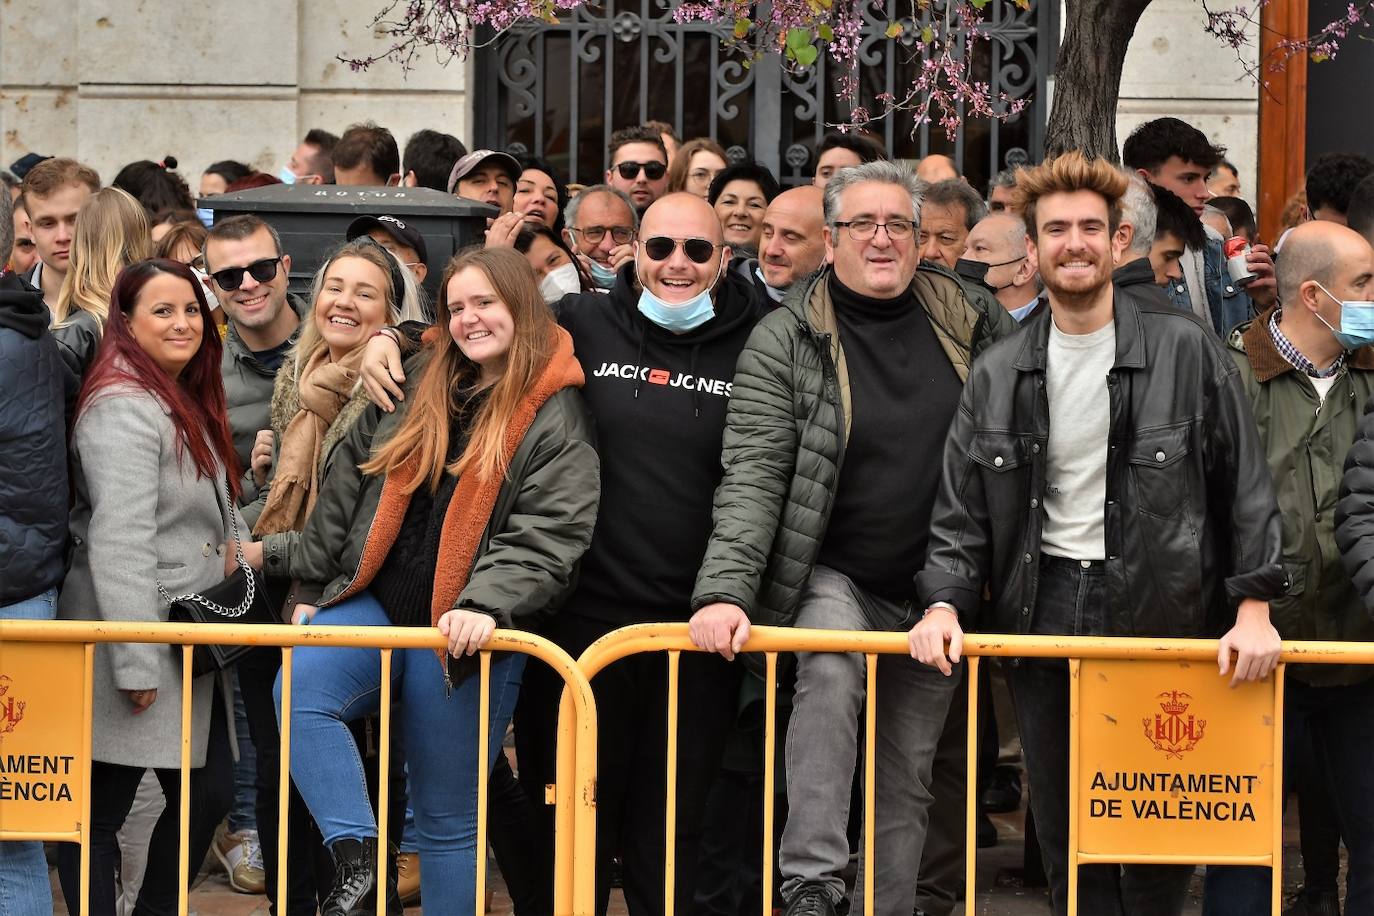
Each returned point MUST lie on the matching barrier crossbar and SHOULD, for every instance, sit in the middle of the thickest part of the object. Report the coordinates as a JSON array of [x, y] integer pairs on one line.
[[575, 839], [773, 641]]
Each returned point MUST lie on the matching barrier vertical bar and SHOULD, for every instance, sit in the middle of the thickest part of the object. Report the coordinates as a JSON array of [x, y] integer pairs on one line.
[[870, 771], [971, 792], [770, 725], [87, 740], [483, 775], [1074, 665], [383, 789], [284, 776], [1276, 874], [670, 809], [184, 830]]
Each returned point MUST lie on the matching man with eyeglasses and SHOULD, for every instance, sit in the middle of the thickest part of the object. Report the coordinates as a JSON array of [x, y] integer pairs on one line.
[[639, 165], [248, 272], [600, 226], [840, 402]]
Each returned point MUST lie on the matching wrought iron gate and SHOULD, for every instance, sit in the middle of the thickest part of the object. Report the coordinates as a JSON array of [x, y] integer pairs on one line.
[[560, 90]]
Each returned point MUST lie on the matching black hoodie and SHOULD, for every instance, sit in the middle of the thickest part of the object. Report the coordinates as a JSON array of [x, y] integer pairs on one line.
[[36, 393], [659, 401]]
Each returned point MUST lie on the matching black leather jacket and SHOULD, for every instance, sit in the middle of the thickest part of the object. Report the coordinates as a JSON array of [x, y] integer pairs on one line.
[[1192, 525]]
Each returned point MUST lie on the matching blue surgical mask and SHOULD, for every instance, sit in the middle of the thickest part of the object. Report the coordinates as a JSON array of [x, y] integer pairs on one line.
[[287, 176], [602, 276], [206, 216], [678, 317], [773, 292], [1357, 321]]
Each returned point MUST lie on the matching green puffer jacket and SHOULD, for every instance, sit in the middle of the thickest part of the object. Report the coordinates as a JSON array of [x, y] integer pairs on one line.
[[786, 431], [1305, 442], [509, 549]]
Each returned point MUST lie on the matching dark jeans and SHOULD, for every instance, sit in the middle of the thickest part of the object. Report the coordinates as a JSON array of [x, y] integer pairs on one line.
[[1072, 601], [309, 869], [631, 709], [1339, 724], [113, 788]]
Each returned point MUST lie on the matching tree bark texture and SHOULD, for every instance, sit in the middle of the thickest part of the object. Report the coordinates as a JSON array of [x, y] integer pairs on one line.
[[1087, 76]]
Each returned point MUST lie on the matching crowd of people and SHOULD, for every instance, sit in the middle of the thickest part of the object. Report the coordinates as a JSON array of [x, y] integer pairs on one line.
[[1092, 401]]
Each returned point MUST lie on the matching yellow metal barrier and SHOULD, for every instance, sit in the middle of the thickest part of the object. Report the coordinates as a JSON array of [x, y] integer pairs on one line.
[[1183, 654], [576, 841]]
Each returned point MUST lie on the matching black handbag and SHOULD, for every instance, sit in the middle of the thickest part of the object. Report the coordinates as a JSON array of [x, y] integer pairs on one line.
[[240, 598]]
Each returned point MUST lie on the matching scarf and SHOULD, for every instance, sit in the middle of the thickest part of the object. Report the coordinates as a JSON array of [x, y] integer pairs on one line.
[[324, 388]]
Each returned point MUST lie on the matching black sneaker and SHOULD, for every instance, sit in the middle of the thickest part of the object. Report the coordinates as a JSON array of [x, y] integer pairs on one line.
[[811, 899], [1003, 794]]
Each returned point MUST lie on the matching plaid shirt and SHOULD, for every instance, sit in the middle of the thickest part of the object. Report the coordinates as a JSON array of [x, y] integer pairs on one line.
[[1295, 358]]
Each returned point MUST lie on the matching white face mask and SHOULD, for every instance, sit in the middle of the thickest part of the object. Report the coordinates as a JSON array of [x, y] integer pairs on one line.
[[559, 282]]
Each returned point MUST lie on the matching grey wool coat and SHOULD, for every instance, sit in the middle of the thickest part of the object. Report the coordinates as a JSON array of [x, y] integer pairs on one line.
[[141, 516]]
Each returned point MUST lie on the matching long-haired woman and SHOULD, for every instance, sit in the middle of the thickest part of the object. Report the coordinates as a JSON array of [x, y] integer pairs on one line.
[[111, 233], [467, 510], [155, 477]]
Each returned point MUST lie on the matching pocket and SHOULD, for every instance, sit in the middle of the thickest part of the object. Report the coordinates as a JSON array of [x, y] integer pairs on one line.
[[1158, 470], [999, 452]]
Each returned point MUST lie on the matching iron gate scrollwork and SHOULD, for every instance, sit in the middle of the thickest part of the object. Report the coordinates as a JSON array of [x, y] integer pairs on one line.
[[559, 90]]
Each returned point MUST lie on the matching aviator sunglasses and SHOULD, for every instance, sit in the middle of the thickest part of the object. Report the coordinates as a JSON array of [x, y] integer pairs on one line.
[[660, 248], [231, 278]]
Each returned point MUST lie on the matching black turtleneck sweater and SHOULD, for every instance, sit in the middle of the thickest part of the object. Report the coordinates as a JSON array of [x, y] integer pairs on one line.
[[903, 395]]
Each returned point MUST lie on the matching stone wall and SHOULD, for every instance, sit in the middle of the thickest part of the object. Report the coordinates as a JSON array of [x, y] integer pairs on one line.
[[119, 80], [1173, 68]]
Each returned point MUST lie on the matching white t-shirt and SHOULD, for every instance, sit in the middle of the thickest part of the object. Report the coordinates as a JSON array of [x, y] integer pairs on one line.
[[1080, 412]]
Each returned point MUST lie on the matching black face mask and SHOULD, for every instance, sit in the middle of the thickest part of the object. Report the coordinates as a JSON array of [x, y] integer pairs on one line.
[[977, 271]]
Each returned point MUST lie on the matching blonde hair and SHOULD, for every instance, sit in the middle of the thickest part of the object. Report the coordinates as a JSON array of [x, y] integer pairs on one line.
[[450, 377], [111, 233], [1065, 174], [310, 339]]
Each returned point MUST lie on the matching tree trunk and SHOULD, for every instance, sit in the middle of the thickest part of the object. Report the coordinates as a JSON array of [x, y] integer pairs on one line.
[[1087, 77]]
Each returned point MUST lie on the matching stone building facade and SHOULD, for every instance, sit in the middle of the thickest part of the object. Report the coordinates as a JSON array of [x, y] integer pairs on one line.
[[110, 81]]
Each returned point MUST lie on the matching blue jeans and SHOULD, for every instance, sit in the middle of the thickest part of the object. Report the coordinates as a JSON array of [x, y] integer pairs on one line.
[[333, 686], [1072, 601], [24, 887], [1339, 722]]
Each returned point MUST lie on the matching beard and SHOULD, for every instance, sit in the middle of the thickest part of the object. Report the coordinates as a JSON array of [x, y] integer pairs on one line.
[[1076, 292]]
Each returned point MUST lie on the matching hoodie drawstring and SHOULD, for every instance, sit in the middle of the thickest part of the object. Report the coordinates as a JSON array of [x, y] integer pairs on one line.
[[639, 358], [696, 389]]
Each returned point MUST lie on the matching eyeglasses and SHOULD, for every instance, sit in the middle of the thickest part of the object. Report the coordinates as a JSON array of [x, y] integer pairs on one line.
[[660, 248], [621, 235], [861, 230], [231, 278], [652, 170]]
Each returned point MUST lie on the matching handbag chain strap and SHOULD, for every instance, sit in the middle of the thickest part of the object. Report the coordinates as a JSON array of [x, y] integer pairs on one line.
[[249, 595]]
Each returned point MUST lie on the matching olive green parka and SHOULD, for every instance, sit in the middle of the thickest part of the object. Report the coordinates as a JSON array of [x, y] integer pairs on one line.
[[785, 437]]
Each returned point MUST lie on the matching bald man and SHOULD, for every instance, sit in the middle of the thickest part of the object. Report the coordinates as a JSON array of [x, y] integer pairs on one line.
[[1309, 377], [999, 241], [936, 167], [659, 351], [791, 247]]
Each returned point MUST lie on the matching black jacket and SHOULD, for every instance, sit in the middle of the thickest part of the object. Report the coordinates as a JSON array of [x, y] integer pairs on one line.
[[36, 393], [1191, 521]]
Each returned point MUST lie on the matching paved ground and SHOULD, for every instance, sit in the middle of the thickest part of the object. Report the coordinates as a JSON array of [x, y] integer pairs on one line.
[[999, 888]]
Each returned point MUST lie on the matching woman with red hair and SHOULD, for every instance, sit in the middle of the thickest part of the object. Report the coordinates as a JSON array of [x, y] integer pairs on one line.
[[155, 476]]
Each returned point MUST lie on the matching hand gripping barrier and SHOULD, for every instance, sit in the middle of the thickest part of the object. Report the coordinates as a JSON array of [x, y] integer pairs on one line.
[[1236, 819], [37, 656]]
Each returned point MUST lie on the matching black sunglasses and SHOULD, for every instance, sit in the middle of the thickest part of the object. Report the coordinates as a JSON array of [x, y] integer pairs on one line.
[[231, 278], [652, 170], [660, 248]]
